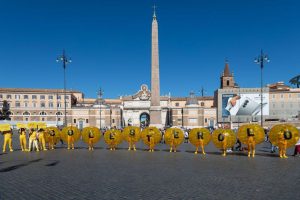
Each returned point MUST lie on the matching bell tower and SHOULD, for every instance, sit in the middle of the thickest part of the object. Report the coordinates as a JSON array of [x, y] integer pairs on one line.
[[227, 79]]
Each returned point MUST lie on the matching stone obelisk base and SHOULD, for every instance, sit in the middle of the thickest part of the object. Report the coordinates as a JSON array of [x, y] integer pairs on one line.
[[155, 116]]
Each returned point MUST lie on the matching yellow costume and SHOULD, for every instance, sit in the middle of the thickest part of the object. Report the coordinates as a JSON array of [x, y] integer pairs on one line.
[[151, 136], [42, 141], [113, 138], [52, 136], [7, 140], [7, 133], [224, 139], [199, 137], [23, 141], [251, 135], [283, 136], [132, 135], [174, 137], [70, 135], [91, 135]]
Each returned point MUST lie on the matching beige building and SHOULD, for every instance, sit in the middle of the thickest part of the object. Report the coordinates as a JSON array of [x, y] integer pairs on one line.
[[47, 105]]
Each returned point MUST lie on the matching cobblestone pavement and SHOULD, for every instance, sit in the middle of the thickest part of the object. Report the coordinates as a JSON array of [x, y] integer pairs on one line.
[[120, 174]]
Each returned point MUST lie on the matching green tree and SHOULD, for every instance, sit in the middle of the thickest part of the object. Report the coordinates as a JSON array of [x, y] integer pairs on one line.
[[5, 112]]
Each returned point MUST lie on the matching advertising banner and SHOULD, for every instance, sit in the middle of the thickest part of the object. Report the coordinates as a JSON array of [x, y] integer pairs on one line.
[[244, 104]]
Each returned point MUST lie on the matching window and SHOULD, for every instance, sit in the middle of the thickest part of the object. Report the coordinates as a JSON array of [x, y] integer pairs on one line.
[[193, 120], [113, 120], [18, 104], [8, 96], [1, 96], [58, 97], [67, 97], [50, 105], [179, 119], [26, 119], [43, 105], [50, 97], [227, 82], [25, 96], [34, 97], [43, 113], [74, 121], [177, 104], [25, 104], [67, 105], [205, 120], [202, 104], [34, 104], [26, 113], [43, 119], [59, 113], [59, 105], [17, 96], [87, 121], [281, 96], [42, 97], [58, 119]]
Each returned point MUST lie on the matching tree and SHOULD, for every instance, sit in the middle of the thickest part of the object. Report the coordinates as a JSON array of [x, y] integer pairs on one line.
[[5, 112]]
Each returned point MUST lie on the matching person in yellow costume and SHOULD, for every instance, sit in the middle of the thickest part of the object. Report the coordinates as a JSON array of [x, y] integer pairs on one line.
[[22, 137], [282, 142], [113, 143], [41, 138], [70, 139], [151, 141], [7, 140], [131, 140], [91, 140], [251, 142], [33, 140], [52, 139], [222, 137], [200, 138]]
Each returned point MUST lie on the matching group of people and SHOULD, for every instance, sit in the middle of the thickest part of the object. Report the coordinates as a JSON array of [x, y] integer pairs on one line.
[[283, 136]]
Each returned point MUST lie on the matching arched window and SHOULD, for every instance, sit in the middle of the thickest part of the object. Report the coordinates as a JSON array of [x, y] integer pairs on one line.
[[43, 113], [26, 113], [59, 113], [227, 82]]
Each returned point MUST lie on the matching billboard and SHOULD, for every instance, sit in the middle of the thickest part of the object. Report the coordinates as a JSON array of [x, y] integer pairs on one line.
[[244, 104]]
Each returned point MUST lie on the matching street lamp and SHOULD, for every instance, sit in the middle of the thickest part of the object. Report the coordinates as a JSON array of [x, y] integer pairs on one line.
[[100, 94], [260, 60], [63, 58]]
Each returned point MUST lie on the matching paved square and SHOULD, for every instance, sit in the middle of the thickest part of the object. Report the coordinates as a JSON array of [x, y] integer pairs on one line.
[[120, 174]]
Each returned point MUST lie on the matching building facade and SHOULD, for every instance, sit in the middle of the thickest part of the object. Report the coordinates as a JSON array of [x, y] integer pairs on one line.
[[279, 102], [27, 105]]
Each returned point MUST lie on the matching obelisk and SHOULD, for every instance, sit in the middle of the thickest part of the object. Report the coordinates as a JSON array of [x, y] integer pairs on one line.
[[155, 109]]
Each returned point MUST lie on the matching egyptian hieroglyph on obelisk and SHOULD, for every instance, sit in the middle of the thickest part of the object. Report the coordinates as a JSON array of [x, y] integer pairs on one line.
[[155, 109]]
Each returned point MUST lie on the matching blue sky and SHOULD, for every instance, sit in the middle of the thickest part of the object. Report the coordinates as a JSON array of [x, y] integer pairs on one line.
[[110, 43]]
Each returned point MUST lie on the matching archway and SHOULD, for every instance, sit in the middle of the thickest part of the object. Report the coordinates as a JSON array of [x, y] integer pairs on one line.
[[144, 119]]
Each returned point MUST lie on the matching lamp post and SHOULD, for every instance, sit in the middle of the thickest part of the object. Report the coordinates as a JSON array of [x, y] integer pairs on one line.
[[260, 60], [63, 58], [100, 93]]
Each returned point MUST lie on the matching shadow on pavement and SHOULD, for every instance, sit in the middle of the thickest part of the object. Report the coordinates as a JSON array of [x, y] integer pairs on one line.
[[14, 167], [168, 150], [52, 164]]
